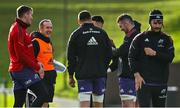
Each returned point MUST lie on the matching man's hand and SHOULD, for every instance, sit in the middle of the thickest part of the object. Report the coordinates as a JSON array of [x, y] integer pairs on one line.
[[71, 81], [41, 70], [139, 81], [150, 52]]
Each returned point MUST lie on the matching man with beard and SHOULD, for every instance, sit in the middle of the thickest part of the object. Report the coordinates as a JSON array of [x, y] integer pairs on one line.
[[126, 78], [150, 54]]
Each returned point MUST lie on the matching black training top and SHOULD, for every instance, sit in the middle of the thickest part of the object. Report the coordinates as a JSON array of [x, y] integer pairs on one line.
[[89, 52], [154, 69], [123, 51]]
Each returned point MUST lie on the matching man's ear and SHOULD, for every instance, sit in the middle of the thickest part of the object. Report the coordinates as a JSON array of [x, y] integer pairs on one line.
[[24, 16], [40, 28], [79, 22]]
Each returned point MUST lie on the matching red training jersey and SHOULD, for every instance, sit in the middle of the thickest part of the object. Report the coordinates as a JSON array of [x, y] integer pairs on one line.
[[20, 48]]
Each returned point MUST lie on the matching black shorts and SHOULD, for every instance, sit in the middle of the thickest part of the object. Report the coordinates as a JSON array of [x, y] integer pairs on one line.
[[49, 81], [152, 95]]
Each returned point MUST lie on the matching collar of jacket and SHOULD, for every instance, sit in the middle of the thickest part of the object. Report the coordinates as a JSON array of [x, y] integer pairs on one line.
[[21, 23], [131, 32], [87, 24], [153, 33], [41, 36]]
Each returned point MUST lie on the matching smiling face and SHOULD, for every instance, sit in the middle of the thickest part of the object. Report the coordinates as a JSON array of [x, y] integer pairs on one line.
[[156, 25], [46, 28]]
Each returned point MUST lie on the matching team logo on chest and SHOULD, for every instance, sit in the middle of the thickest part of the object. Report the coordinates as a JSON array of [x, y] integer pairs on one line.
[[146, 40], [160, 43]]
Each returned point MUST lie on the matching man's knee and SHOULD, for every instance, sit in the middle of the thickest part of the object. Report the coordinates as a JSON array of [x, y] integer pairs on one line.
[[130, 98], [84, 97], [40, 91], [128, 103], [98, 98]]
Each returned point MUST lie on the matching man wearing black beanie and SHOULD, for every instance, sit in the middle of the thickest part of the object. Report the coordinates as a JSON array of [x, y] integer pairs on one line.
[[150, 54]]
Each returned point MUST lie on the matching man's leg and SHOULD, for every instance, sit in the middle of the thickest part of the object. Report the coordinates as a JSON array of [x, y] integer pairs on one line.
[[19, 90], [19, 97], [144, 96], [98, 100], [45, 105], [30, 98], [127, 92], [28, 79], [84, 92], [32, 81], [137, 104], [49, 81], [128, 103], [50, 90], [84, 99], [159, 96], [40, 91], [99, 87], [84, 104]]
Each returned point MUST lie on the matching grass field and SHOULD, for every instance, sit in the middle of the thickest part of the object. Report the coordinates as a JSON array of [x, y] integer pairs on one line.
[[9, 103], [53, 9]]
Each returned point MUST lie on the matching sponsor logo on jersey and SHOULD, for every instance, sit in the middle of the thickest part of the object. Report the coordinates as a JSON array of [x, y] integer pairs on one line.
[[92, 41]]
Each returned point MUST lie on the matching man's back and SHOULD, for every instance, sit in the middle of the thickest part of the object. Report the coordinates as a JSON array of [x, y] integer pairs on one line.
[[90, 45]]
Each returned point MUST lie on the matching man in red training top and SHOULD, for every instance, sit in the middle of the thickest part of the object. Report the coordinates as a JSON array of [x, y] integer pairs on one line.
[[24, 68]]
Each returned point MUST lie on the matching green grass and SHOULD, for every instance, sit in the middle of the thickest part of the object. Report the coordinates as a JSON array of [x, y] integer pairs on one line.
[[67, 92], [9, 103], [53, 9]]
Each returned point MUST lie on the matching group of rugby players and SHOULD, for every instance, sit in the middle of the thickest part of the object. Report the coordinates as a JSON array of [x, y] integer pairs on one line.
[[145, 60]]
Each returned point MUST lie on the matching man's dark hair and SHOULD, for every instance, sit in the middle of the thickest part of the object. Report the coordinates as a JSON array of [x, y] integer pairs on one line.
[[98, 19], [137, 25], [124, 17], [21, 10], [84, 15]]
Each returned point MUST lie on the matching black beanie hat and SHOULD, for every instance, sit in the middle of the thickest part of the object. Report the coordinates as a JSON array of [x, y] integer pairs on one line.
[[155, 14]]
